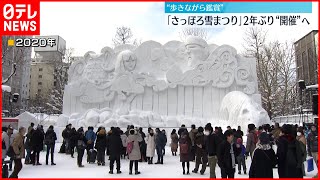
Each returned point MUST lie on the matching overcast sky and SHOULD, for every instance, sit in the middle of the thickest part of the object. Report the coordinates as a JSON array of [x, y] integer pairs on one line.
[[90, 26]]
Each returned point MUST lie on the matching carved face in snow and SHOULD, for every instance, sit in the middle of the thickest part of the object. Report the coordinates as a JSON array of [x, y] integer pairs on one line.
[[196, 52], [129, 62], [196, 49]]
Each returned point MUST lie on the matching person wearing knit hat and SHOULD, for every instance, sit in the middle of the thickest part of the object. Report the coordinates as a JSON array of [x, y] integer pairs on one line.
[[264, 159], [241, 158]]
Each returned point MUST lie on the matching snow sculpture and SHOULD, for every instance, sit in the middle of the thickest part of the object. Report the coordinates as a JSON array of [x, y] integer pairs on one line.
[[177, 82], [238, 108]]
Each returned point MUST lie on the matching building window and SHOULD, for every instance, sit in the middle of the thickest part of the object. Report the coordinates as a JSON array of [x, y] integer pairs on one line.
[[55, 83], [40, 69], [39, 83], [40, 76]]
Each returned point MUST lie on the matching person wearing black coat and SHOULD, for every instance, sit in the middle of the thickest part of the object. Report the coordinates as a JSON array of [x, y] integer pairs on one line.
[[212, 144], [289, 154], [73, 140], [160, 144], [264, 159], [36, 142], [101, 145], [227, 156], [115, 149], [143, 146], [81, 146], [201, 152], [50, 140]]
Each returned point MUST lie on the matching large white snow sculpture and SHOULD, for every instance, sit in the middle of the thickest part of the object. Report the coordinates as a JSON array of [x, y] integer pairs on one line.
[[176, 79], [238, 108]]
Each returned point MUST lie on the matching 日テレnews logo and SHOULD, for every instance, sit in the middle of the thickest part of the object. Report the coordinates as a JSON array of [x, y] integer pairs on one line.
[[20, 17]]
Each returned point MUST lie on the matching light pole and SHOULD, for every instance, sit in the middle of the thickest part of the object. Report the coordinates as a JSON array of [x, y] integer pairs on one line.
[[302, 86]]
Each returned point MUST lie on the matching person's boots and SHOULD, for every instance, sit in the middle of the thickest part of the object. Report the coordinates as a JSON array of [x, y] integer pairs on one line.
[[111, 172], [118, 171], [137, 172], [184, 172]]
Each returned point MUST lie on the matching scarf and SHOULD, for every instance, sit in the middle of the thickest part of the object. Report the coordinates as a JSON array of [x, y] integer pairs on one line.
[[233, 159], [262, 147]]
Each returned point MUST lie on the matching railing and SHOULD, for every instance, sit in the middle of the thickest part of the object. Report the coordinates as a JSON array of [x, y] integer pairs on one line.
[[295, 119]]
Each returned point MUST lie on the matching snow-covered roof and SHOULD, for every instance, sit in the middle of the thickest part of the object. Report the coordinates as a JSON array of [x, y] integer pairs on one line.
[[6, 88]]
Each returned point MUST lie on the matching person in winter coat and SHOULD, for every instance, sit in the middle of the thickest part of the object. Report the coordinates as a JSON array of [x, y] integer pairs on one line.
[[27, 146], [65, 147], [101, 145], [6, 142], [91, 137], [143, 146], [201, 152], [73, 141], [124, 144], [264, 159], [192, 134], [303, 144], [115, 149], [50, 140], [18, 148], [174, 142], [241, 158], [289, 154], [181, 130], [166, 140], [135, 155], [212, 144], [36, 142], [151, 146], [185, 150], [276, 132], [252, 140], [81, 146], [160, 144], [313, 143], [239, 132], [227, 156]]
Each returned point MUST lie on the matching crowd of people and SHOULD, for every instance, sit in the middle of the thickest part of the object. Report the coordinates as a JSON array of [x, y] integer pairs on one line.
[[207, 146]]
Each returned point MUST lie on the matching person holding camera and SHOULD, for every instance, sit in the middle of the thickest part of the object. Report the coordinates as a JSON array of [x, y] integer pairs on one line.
[[134, 153]]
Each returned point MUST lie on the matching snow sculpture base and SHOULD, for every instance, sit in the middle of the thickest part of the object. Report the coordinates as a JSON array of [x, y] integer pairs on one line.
[[158, 85]]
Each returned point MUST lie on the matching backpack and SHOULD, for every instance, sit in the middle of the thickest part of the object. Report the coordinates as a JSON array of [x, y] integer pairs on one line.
[[129, 147], [184, 148]]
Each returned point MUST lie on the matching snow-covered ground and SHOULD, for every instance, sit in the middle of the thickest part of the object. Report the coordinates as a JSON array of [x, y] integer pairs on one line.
[[67, 168]]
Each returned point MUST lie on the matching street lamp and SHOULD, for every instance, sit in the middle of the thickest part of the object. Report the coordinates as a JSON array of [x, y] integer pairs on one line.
[[302, 86]]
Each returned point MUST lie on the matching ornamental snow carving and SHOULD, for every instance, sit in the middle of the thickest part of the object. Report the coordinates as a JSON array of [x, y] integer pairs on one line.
[[186, 79]]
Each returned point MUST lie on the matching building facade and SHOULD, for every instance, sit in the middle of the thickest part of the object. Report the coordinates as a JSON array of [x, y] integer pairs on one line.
[[19, 82], [307, 58]]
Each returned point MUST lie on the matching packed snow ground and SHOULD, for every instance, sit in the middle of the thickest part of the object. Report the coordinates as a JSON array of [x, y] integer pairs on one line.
[[67, 168]]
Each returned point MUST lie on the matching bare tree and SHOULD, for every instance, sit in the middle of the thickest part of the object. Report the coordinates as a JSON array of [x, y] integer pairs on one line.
[[200, 32], [275, 71], [123, 36], [12, 57]]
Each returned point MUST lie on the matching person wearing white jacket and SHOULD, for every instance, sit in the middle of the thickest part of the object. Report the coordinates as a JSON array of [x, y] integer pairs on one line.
[[7, 137], [151, 146]]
